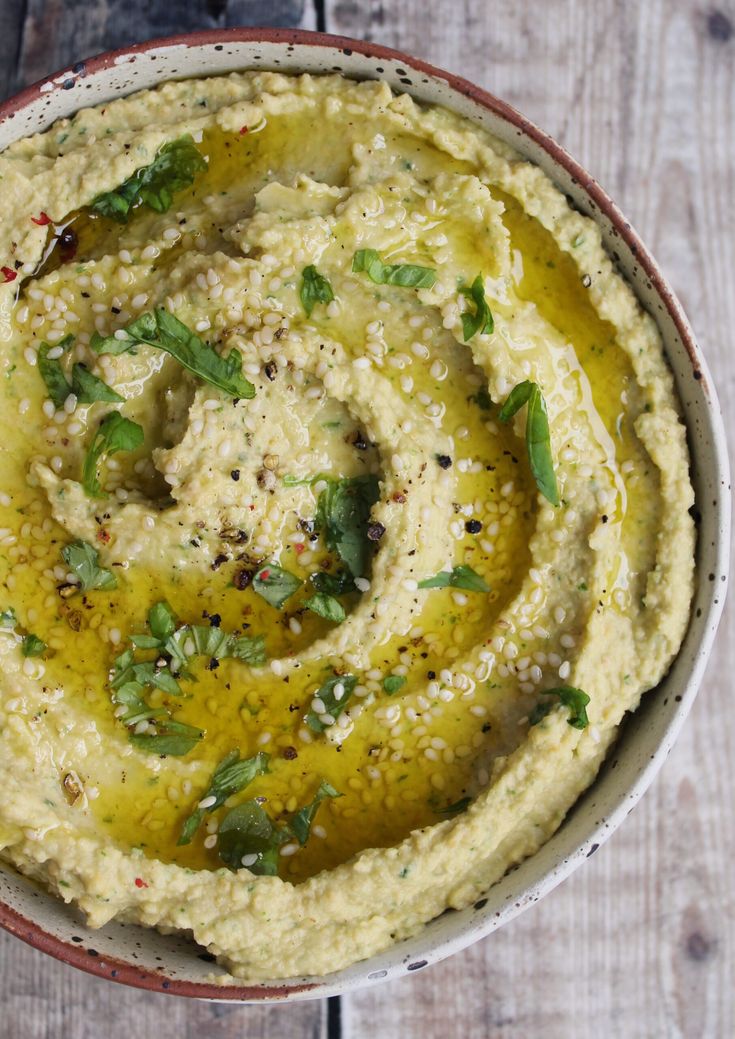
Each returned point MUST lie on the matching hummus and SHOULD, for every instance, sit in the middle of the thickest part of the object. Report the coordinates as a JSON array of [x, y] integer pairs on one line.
[[344, 509]]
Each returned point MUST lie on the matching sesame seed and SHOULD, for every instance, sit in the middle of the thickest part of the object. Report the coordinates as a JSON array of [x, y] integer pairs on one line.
[[207, 802]]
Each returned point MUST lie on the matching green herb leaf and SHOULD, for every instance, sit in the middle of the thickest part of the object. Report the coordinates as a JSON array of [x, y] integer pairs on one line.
[[130, 696], [33, 646], [171, 738], [161, 621], [334, 694], [207, 641], [173, 168], [301, 823], [538, 435], [162, 330], [8, 618], [145, 673], [454, 809], [574, 699], [460, 577], [53, 375], [342, 517], [230, 777], [88, 388], [314, 289], [81, 558], [247, 831], [482, 319], [333, 584], [275, 584], [115, 433], [392, 683], [406, 275], [326, 606], [482, 399]]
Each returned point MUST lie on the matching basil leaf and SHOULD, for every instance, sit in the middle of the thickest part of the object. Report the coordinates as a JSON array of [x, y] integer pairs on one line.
[[81, 558], [333, 584], [33, 646], [8, 618], [301, 823], [161, 621], [230, 777], [334, 694], [162, 330], [115, 433], [171, 738], [88, 388], [392, 683], [248, 832], [406, 275], [343, 513], [454, 809], [53, 375], [538, 435], [460, 577], [482, 320], [173, 168], [326, 606], [574, 699], [314, 289], [275, 584]]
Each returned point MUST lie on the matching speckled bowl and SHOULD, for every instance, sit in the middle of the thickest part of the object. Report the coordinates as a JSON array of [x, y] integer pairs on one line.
[[174, 964]]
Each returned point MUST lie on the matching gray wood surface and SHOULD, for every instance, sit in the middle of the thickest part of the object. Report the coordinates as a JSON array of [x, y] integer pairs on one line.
[[641, 941]]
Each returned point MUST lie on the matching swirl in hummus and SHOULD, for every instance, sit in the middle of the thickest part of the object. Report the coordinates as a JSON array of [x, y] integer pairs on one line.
[[304, 640]]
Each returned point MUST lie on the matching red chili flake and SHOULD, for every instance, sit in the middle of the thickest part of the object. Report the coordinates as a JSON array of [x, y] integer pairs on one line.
[[243, 129], [139, 882], [103, 535], [41, 220], [299, 548], [264, 575], [8, 274]]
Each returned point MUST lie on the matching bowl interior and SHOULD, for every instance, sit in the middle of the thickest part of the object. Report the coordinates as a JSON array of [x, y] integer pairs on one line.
[[173, 963]]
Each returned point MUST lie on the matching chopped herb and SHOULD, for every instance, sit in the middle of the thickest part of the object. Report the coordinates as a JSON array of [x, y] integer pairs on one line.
[[314, 289], [230, 777], [115, 433], [392, 683], [214, 643], [482, 320], [482, 399], [53, 374], [333, 584], [343, 514], [574, 699], [301, 822], [248, 833], [171, 738], [538, 436], [460, 577], [87, 388], [173, 168], [275, 584], [326, 606], [81, 558], [33, 646], [161, 621], [162, 330], [8, 618], [454, 809], [407, 275], [334, 694]]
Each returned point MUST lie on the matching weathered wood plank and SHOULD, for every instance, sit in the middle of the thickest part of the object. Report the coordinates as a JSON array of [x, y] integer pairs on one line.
[[60, 32], [43, 999], [11, 26], [641, 942]]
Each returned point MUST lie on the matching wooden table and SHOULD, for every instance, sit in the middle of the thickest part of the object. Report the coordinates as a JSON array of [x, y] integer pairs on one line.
[[641, 941]]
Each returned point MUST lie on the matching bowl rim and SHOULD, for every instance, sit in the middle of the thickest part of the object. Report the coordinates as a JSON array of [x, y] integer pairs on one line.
[[123, 972]]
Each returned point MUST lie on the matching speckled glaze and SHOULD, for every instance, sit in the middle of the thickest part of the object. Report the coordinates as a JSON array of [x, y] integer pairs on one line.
[[149, 960]]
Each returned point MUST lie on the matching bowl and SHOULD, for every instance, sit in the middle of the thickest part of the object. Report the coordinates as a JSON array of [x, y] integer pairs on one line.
[[172, 963]]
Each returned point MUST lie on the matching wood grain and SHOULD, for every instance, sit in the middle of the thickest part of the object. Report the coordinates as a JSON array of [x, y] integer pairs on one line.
[[641, 941]]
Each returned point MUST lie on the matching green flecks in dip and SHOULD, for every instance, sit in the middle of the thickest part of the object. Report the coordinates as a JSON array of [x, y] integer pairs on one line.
[[322, 477]]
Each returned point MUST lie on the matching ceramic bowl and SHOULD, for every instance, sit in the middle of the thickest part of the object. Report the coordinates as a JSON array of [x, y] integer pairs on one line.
[[150, 960]]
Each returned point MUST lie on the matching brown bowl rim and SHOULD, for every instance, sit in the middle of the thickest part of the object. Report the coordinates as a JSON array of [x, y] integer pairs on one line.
[[87, 958]]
